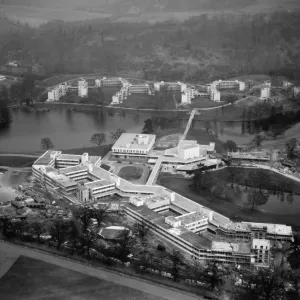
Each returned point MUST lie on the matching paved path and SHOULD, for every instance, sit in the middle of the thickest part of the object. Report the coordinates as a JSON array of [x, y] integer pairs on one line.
[[188, 125], [20, 155], [137, 284]]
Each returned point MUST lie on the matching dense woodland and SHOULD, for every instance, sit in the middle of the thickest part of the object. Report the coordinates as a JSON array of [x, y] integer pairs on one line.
[[199, 49]]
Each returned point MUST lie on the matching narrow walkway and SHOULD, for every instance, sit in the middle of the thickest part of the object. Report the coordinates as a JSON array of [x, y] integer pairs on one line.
[[135, 283], [154, 172], [189, 124]]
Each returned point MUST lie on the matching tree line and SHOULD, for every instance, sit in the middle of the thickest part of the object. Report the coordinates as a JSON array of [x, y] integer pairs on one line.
[[201, 48]]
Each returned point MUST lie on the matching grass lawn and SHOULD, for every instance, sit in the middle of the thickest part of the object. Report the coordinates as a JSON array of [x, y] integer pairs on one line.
[[94, 151], [131, 173], [202, 102], [33, 279], [148, 101], [16, 161]]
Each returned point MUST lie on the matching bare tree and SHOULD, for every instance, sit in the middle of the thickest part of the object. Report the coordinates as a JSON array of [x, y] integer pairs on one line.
[[74, 233], [59, 232], [98, 138], [291, 146], [84, 215], [115, 135], [125, 244], [258, 139], [87, 241], [100, 214], [142, 230], [38, 228], [176, 259], [46, 144]]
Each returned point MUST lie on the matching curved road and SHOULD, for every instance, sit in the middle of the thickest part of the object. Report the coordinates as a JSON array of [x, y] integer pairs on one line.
[[144, 286]]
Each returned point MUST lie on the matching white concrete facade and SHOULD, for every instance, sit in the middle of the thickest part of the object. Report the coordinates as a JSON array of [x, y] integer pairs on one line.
[[83, 88], [265, 93], [57, 92]]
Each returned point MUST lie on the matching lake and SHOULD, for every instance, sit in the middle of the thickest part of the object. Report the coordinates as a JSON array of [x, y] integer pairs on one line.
[[69, 130]]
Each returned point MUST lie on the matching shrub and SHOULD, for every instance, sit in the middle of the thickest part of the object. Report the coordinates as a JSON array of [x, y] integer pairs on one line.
[[161, 247]]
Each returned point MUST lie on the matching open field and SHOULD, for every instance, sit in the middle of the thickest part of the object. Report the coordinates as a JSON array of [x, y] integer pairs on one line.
[[148, 101], [94, 151], [16, 161], [32, 279], [203, 102], [36, 16]]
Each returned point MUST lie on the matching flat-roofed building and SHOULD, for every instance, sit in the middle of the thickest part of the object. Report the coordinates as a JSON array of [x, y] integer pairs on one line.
[[139, 88], [100, 188], [250, 156], [261, 249], [110, 81], [215, 95], [131, 144], [77, 173], [230, 84], [83, 88], [265, 92], [57, 92]]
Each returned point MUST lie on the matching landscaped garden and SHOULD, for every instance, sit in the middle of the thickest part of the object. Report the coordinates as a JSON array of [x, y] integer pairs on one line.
[[131, 173]]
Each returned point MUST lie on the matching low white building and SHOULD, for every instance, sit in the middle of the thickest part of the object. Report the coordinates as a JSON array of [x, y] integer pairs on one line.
[[265, 92], [57, 92], [132, 144], [83, 88], [2, 78]]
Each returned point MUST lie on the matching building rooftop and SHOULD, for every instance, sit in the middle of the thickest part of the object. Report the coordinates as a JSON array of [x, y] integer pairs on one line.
[[180, 231], [112, 232], [59, 177], [231, 247], [46, 159], [72, 169], [237, 226], [94, 159], [130, 140], [273, 228], [69, 157], [98, 183], [191, 217]]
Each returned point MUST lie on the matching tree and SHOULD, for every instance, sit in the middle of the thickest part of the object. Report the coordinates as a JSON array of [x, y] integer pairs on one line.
[[256, 198], [59, 232], [5, 115], [258, 139], [37, 228], [214, 274], [125, 244], [291, 146], [115, 135], [98, 138], [87, 241], [148, 127], [231, 146], [46, 144], [142, 230], [85, 216], [176, 259], [74, 233], [100, 214]]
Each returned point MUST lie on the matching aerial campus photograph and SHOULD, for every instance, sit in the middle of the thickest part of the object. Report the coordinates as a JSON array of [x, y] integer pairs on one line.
[[150, 149]]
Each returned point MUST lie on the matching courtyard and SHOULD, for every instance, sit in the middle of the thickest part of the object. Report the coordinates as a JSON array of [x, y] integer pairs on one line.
[[135, 173]]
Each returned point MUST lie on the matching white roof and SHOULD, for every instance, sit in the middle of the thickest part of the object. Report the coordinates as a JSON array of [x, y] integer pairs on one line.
[[273, 228], [131, 140], [261, 242]]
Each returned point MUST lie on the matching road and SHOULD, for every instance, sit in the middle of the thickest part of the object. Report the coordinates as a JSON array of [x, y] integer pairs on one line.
[[156, 290], [20, 155]]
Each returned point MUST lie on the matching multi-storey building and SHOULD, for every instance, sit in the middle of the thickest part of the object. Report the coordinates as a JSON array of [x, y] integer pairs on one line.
[[215, 95], [83, 88], [139, 88], [265, 92], [230, 84], [56, 93], [261, 249], [131, 144], [109, 82], [250, 156]]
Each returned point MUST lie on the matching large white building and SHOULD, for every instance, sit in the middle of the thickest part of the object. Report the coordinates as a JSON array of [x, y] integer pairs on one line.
[[132, 144], [265, 92], [75, 175], [57, 92], [83, 88]]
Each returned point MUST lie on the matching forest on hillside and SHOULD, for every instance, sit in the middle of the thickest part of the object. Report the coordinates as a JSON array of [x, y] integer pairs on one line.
[[199, 49]]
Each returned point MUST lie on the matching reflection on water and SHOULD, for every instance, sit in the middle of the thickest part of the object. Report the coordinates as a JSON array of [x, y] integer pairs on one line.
[[267, 201]]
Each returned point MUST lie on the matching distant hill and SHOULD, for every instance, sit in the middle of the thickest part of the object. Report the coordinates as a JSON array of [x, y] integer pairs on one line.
[[144, 6]]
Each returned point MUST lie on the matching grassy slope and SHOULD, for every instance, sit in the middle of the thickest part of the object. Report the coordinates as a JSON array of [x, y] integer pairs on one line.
[[33, 279]]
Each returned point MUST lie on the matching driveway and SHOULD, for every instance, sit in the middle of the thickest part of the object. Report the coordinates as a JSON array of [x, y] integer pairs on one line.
[[15, 250]]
